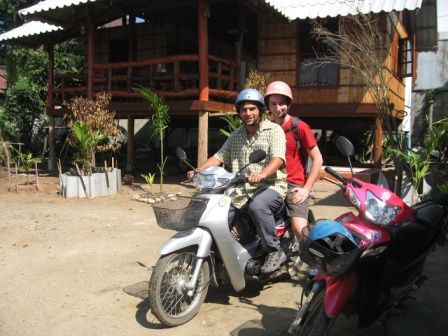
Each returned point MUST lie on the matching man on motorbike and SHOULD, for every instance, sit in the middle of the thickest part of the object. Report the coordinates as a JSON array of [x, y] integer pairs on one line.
[[300, 146], [266, 188]]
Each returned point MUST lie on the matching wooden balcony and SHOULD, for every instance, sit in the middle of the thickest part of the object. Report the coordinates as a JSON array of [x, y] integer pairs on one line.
[[174, 77]]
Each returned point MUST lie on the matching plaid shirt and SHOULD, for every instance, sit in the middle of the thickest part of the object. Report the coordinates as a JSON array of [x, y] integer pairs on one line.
[[235, 155]]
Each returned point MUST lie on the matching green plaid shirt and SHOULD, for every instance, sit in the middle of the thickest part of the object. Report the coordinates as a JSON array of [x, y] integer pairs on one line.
[[235, 155]]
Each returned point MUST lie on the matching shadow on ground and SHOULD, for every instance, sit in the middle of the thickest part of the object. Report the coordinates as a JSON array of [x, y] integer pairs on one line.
[[330, 198], [275, 320]]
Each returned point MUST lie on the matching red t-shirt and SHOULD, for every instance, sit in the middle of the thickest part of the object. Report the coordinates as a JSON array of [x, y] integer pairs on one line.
[[296, 159]]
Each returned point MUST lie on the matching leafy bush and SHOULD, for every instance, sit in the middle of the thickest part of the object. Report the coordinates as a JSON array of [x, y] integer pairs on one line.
[[88, 120], [27, 160], [24, 118], [437, 139], [86, 141], [23, 108]]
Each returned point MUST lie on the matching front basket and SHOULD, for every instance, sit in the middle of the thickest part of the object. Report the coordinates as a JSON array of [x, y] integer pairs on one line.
[[328, 261], [181, 213]]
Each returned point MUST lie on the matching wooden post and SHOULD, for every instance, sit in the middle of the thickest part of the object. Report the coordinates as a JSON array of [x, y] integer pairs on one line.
[[239, 46], [378, 146], [203, 80], [203, 51], [130, 156], [90, 58], [37, 175], [50, 108], [203, 137]]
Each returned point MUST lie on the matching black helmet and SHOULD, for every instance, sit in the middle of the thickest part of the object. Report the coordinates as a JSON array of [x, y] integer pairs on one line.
[[250, 95]]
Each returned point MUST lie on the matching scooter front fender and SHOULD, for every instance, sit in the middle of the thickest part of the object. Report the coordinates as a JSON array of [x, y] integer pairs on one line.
[[338, 291], [192, 237]]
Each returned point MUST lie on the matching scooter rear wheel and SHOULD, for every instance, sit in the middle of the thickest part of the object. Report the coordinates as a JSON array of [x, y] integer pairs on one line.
[[315, 322], [168, 297]]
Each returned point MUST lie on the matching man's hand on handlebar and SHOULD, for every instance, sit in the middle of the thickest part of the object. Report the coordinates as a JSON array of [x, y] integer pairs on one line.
[[256, 178], [191, 173]]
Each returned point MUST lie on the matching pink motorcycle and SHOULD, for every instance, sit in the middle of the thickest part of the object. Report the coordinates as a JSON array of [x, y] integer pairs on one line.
[[365, 264]]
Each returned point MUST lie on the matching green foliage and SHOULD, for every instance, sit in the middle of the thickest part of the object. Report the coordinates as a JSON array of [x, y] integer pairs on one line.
[[3, 124], [27, 160], [86, 141], [233, 122], [27, 84], [437, 139], [417, 163], [9, 17], [149, 178], [23, 108], [28, 63], [160, 121], [364, 155], [68, 57]]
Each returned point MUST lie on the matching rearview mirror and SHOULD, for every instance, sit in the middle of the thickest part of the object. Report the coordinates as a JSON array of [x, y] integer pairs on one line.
[[181, 154], [257, 156], [344, 146]]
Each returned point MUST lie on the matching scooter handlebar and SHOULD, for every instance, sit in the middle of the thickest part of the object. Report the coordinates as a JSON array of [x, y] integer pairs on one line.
[[336, 175], [239, 180]]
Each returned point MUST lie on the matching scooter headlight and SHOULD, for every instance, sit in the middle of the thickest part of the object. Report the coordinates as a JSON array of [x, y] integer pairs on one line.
[[208, 181], [354, 199], [378, 211], [205, 181]]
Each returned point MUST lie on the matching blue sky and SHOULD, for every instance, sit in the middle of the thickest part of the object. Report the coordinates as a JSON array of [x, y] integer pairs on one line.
[[442, 15]]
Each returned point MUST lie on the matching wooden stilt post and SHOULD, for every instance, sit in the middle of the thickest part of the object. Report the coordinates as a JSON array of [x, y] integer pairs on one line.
[[203, 80], [378, 146], [130, 153]]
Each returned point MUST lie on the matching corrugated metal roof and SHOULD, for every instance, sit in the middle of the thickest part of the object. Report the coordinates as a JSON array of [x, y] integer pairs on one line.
[[29, 29], [47, 5], [425, 26], [312, 9], [432, 68]]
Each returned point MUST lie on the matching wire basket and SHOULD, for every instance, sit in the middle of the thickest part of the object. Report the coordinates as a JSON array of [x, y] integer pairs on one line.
[[180, 214], [328, 261]]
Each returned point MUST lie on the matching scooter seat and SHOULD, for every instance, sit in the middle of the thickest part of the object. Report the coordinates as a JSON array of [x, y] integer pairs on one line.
[[429, 215]]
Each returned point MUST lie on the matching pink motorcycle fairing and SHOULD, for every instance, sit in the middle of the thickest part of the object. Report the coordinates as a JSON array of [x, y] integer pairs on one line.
[[338, 291], [371, 234], [383, 194]]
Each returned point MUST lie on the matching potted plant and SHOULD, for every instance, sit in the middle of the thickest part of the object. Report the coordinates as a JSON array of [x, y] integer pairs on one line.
[[92, 130]]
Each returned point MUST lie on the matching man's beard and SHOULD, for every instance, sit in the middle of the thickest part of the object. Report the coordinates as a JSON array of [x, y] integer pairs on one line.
[[255, 122]]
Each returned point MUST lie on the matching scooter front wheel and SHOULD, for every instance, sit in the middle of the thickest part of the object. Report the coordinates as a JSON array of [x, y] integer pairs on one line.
[[168, 296], [313, 321]]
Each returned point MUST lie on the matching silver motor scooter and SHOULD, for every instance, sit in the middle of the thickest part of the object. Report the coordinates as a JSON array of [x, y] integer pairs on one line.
[[205, 250]]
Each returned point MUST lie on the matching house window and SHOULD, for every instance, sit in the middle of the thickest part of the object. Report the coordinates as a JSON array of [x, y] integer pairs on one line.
[[405, 58], [309, 73]]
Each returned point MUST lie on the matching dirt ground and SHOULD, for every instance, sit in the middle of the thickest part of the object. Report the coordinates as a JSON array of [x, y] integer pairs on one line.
[[69, 267]]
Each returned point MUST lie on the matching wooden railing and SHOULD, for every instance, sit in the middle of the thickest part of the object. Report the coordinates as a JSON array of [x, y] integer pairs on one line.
[[170, 76]]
